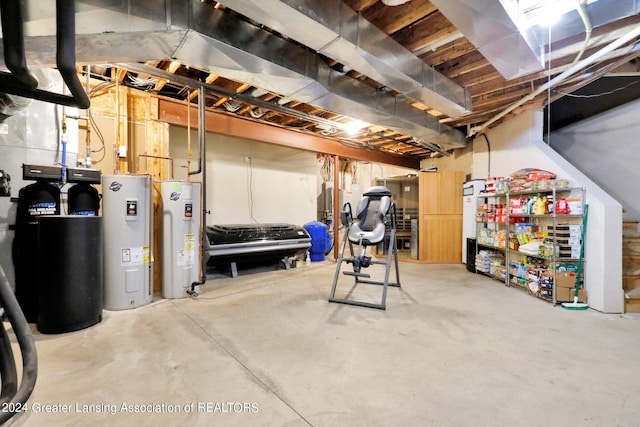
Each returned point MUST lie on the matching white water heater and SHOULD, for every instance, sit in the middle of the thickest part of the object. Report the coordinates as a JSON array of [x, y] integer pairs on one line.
[[127, 213], [181, 237]]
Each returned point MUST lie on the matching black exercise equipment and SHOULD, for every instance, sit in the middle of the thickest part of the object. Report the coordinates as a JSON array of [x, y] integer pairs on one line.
[[375, 216]]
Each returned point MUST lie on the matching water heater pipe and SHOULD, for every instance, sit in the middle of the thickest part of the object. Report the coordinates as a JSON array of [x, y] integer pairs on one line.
[[170, 159], [188, 134], [202, 128]]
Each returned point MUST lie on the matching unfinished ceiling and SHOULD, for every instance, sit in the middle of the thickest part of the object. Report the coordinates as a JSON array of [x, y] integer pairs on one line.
[[415, 79]]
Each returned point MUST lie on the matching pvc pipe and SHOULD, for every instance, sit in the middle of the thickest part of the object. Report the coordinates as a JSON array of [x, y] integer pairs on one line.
[[561, 77]]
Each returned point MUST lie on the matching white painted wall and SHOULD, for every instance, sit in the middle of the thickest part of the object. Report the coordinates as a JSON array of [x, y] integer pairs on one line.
[[283, 183], [279, 184], [606, 147], [518, 144]]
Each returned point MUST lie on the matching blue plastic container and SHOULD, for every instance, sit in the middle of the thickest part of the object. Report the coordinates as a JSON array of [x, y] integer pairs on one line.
[[318, 233]]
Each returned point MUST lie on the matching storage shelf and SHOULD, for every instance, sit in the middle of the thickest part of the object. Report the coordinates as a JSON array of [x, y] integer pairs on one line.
[[490, 195], [548, 258], [545, 191], [550, 216], [493, 276], [497, 248], [525, 288], [540, 268]]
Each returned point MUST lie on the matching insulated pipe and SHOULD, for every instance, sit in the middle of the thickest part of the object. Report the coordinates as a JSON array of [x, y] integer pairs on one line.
[[66, 51], [8, 372], [560, 78], [13, 43], [27, 348], [65, 54]]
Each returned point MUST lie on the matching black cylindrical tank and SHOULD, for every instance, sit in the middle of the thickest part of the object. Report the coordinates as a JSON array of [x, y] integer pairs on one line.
[[34, 201], [70, 275], [83, 199]]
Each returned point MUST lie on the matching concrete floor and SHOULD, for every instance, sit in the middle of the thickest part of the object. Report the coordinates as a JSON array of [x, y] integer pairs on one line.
[[452, 349]]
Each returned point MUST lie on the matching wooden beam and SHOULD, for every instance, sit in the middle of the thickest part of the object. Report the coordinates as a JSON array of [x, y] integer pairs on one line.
[[360, 5], [174, 113], [392, 19], [427, 31], [448, 52]]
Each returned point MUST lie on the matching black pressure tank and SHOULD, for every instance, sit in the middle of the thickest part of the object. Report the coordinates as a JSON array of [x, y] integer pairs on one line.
[[34, 201], [70, 277], [83, 199]]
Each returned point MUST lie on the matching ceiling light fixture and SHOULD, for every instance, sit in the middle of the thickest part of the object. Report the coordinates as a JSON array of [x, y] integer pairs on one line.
[[394, 2], [355, 126]]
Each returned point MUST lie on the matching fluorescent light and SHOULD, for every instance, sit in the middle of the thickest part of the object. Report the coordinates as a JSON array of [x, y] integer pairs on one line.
[[355, 126]]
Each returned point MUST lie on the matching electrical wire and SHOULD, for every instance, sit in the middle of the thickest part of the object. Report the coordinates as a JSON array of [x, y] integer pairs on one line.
[[96, 128], [250, 190], [355, 172], [596, 95], [582, 10], [326, 170]]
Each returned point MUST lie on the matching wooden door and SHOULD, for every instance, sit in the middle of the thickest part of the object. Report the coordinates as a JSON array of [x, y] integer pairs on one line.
[[440, 216], [441, 239], [441, 192]]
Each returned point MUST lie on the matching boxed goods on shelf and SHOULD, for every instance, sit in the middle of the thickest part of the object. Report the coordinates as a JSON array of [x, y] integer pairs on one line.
[[490, 262], [495, 238], [528, 179], [496, 185], [568, 238], [575, 202], [491, 212], [566, 279], [527, 233]]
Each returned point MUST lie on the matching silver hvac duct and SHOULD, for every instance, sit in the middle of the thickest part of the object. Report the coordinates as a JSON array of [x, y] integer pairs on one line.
[[337, 31], [501, 32], [492, 26], [109, 31]]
